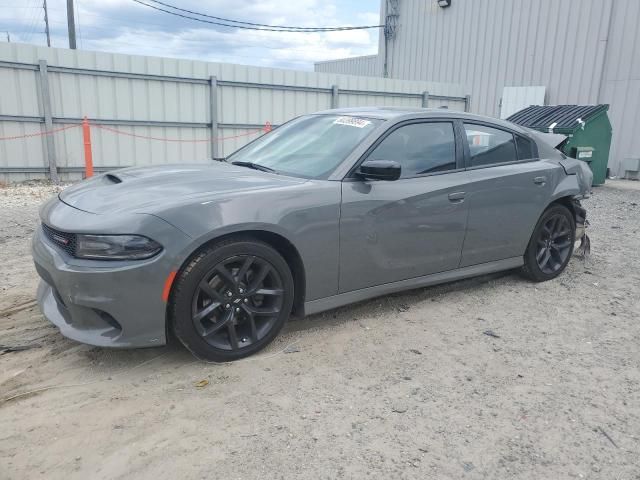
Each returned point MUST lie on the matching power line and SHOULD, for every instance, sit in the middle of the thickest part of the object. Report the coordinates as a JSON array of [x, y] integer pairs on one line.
[[110, 29], [247, 25], [228, 20], [298, 50]]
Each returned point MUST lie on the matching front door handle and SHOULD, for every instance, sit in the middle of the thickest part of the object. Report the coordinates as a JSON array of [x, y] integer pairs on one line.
[[540, 180], [457, 197]]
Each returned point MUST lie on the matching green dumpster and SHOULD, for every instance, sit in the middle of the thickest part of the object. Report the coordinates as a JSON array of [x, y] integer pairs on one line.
[[587, 128]]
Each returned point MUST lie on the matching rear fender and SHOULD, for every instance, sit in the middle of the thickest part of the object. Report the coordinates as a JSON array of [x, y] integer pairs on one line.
[[581, 173], [572, 187], [567, 187], [568, 192]]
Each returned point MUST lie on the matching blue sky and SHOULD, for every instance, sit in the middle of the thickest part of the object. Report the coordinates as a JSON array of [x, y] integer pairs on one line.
[[126, 27]]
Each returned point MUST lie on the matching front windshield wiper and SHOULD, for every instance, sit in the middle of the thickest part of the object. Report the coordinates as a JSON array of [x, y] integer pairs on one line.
[[255, 166]]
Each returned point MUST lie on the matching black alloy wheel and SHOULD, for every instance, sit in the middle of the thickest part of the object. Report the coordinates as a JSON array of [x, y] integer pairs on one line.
[[237, 302], [551, 244], [231, 299], [554, 244]]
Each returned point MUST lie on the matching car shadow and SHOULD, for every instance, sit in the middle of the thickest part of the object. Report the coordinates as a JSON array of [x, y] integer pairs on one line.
[[108, 362], [393, 303]]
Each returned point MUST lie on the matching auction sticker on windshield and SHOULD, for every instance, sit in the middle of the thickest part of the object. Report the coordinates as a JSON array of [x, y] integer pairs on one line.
[[352, 122]]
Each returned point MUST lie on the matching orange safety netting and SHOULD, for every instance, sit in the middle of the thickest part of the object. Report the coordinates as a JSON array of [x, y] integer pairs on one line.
[[265, 129]]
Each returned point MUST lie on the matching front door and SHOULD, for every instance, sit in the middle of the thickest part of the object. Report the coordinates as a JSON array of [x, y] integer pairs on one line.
[[410, 227]]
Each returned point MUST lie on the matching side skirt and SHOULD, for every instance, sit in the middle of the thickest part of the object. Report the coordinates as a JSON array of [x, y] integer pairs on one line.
[[322, 304]]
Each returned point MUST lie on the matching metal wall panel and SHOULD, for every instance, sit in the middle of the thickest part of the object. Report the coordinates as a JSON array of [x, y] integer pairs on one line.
[[367, 65], [515, 99], [247, 98], [17, 92], [489, 44], [583, 51], [621, 82]]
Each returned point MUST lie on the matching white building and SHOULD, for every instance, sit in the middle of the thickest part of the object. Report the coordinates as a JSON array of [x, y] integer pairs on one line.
[[580, 51]]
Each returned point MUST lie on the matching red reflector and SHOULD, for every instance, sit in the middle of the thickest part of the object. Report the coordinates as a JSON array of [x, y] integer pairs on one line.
[[167, 286]]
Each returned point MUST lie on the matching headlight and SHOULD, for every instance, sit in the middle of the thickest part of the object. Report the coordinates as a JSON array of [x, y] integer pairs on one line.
[[116, 247]]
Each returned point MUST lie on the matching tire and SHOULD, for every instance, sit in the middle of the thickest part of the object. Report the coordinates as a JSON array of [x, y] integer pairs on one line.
[[231, 299], [551, 244]]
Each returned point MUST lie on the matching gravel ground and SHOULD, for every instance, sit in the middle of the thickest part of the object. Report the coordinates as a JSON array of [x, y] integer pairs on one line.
[[405, 386]]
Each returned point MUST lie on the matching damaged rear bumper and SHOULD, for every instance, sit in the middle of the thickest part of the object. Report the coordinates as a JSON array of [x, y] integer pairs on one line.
[[581, 229]]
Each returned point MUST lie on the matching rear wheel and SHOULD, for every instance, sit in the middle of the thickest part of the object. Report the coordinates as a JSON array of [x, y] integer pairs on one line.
[[231, 300], [551, 244]]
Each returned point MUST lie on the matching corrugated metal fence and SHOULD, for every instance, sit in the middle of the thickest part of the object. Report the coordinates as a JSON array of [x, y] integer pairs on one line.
[[149, 110]]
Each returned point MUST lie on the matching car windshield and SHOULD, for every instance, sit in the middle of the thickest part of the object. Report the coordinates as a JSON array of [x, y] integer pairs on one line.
[[310, 146]]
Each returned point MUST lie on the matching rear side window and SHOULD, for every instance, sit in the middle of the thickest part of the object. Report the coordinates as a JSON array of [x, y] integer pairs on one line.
[[489, 145], [525, 148], [420, 148]]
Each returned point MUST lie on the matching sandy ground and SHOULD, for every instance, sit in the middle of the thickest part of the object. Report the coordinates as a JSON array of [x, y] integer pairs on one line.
[[406, 386]]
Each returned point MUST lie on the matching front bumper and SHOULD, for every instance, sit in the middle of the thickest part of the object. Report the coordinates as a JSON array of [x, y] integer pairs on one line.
[[108, 304]]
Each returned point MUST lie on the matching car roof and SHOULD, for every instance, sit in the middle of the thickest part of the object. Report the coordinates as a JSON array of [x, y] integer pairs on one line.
[[408, 113], [374, 112]]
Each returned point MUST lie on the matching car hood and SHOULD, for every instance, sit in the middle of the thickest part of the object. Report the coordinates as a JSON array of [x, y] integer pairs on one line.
[[148, 189]]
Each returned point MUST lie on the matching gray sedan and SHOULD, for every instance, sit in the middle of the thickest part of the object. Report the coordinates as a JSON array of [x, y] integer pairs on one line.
[[326, 210]]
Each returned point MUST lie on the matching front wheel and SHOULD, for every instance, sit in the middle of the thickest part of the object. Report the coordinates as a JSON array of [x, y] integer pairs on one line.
[[231, 300], [551, 244]]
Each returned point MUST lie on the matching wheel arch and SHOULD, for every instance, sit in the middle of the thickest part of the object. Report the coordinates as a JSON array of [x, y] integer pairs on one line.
[[566, 193], [566, 201], [278, 242]]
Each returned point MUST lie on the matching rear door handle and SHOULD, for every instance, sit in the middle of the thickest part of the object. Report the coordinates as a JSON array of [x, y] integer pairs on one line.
[[457, 197], [540, 180]]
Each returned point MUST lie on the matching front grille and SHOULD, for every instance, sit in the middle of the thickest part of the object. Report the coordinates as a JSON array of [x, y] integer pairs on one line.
[[62, 240]]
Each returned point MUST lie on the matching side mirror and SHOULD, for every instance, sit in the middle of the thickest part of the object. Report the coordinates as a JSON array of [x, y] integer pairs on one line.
[[380, 170]]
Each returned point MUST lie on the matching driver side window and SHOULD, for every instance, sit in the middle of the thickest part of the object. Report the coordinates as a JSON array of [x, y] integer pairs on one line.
[[420, 148]]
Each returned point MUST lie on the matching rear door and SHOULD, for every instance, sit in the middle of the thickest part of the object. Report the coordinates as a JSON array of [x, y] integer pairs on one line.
[[507, 190], [410, 227]]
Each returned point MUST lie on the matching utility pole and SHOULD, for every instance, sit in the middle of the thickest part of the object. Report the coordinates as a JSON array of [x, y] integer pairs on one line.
[[46, 22], [71, 24], [392, 12]]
